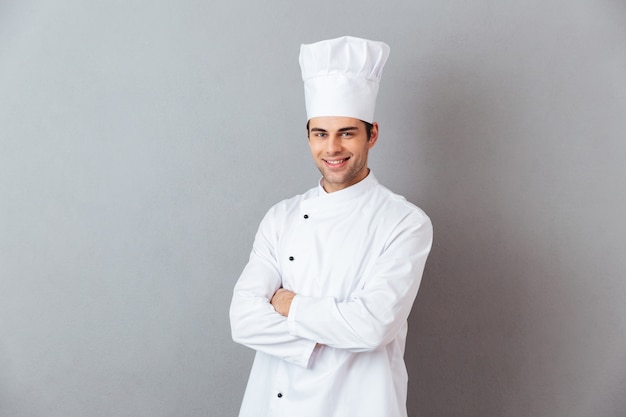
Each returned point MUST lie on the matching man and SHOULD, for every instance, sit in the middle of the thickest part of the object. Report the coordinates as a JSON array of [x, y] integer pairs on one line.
[[333, 273]]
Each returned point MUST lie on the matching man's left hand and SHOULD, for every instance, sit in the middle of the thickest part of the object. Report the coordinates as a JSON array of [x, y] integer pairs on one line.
[[281, 300]]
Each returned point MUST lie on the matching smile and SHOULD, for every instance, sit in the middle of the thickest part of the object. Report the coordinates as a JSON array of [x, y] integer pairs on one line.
[[335, 162]]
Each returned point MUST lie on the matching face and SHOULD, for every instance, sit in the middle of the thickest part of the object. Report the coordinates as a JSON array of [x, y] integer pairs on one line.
[[339, 146]]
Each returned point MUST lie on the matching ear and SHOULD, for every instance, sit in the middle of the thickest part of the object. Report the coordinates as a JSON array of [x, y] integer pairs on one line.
[[373, 135]]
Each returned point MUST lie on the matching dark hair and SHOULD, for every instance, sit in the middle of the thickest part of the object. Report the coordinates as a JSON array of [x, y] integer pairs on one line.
[[368, 129]]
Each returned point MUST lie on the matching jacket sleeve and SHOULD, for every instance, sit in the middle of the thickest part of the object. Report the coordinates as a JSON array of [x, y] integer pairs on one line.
[[372, 316], [254, 322]]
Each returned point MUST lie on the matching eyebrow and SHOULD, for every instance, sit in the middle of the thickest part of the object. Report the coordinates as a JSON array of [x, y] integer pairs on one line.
[[343, 129]]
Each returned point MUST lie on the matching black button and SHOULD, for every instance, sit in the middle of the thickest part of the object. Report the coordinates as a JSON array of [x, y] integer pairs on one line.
[[291, 258], [306, 216], [280, 395]]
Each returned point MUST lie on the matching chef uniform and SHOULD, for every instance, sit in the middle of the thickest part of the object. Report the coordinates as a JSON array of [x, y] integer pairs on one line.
[[353, 257]]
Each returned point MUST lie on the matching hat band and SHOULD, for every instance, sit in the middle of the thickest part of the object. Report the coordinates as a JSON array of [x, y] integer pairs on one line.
[[341, 95]]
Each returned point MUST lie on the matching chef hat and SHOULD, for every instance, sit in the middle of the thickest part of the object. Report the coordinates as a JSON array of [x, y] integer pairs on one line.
[[341, 77]]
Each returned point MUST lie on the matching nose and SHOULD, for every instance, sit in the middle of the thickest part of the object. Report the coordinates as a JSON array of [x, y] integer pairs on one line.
[[333, 145]]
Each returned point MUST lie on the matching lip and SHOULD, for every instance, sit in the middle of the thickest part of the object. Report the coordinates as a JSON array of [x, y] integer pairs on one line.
[[336, 163]]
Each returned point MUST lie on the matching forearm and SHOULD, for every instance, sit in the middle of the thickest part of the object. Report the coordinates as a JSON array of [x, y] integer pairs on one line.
[[372, 315], [357, 324], [255, 323]]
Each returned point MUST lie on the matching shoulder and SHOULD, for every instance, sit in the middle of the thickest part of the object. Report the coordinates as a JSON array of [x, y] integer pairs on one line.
[[396, 206], [401, 222]]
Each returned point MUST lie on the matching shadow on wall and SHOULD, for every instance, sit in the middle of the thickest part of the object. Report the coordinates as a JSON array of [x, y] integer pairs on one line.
[[496, 327], [463, 351]]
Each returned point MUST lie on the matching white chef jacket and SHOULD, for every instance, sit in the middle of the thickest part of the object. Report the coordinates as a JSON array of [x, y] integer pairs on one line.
[[355, 259]]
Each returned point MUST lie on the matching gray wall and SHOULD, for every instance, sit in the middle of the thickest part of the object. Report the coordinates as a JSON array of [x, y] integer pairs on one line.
[[142, 141]]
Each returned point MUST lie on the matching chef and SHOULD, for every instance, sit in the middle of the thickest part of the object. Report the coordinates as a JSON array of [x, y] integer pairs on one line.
[[333, 272]]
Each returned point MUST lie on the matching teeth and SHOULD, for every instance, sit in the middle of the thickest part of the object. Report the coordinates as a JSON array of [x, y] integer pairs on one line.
[[336, 162]]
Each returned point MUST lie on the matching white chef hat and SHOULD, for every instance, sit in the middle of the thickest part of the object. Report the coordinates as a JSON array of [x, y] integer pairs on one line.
[[341, 77]]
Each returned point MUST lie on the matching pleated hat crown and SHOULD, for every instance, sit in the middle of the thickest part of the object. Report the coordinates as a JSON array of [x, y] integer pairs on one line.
[[341, 77]]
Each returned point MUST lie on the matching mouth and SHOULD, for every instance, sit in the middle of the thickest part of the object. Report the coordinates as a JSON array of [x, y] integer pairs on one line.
[[335, 163]]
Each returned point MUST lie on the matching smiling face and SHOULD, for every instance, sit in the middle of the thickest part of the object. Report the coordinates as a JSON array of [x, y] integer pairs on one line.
[[340, 146]]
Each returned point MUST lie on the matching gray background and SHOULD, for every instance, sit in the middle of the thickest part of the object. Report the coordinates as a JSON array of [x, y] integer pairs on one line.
[[142, 141]]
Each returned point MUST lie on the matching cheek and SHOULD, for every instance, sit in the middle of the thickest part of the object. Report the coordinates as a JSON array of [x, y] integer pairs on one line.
[[314, 147], [361, 150]]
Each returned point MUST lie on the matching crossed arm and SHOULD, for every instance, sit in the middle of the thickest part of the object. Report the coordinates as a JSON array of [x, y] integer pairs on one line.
[[369, 319]]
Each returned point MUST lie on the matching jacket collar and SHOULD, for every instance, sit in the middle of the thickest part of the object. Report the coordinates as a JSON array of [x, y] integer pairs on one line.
[[351, 192]]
